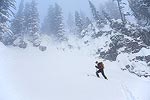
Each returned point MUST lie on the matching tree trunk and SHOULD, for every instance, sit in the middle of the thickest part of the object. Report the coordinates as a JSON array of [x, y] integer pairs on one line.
[[121, 15]]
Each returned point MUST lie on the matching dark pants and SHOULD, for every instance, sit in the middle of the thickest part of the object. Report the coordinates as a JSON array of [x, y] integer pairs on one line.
[[101, 71]]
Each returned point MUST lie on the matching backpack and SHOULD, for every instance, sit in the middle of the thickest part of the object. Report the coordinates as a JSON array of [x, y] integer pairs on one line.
[[100, 65]]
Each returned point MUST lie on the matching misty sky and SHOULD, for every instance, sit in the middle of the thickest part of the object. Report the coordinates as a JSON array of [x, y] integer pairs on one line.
[[67, 6]]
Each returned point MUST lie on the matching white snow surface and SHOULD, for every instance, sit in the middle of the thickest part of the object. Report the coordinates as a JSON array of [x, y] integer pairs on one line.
[[62, 74]]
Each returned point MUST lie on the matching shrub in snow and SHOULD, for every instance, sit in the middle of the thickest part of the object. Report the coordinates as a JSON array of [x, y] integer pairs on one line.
[[116, 24], [36, 39], [20, 43], [23, 45], [42, 48], [36, 43]]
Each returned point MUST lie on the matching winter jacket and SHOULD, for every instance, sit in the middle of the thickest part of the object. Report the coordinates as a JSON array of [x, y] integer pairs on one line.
[[100, 65]]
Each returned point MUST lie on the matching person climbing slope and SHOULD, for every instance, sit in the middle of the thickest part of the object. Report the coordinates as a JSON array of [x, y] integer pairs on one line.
[[100, 67]]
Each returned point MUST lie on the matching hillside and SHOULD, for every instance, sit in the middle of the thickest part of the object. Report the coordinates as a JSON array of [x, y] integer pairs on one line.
[[57, 74]]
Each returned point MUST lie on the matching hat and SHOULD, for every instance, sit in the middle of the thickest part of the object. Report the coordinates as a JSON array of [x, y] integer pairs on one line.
[[96, 62]]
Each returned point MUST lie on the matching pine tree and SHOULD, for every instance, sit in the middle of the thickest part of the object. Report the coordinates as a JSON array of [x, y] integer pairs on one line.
[[32, 22], [112, 10], [106, 15], [27, 17], [94, 11], [140, 10], [120, 7], [58, 24], [50, 20], [96, 15], [53, 24], [70, 22], [18, 22], [87, 22], [78, 22], [147, 2], [48, 24], [5, 14]]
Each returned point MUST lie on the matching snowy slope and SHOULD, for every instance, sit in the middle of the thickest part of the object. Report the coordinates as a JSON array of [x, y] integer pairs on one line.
[[57, 74], [123, 47]]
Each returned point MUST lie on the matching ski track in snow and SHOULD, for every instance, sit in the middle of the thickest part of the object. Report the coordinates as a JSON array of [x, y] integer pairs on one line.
[[127, 92]]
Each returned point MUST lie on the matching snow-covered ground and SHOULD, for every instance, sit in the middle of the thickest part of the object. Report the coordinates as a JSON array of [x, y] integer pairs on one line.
[[57, 74]]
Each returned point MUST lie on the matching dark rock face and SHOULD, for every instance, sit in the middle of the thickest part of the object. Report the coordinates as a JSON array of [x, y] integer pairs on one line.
[[145, 36], [131, 37], [130, 68], [133, 47], [111, 54], [100, 33], [143, 58], [147, 58], [119, 41]]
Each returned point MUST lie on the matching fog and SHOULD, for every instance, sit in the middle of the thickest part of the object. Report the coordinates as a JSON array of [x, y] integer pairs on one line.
[[68, 6]]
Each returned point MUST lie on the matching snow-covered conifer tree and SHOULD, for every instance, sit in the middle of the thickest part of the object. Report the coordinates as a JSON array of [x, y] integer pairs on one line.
[[70, 22], [18, 22], [27, 17], [5, 14], [31, 24], [78, 22], [85, 19], [87, 22], [141, 10], [112, 9], [120, 8], [48, 23], [96, 15], [53, 22], [58, 22]]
